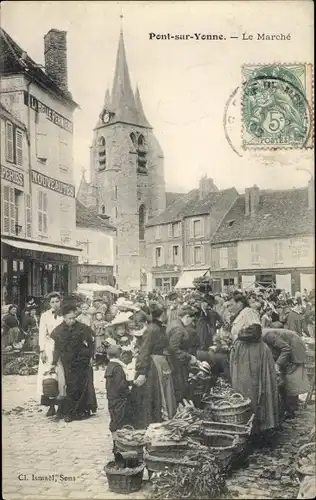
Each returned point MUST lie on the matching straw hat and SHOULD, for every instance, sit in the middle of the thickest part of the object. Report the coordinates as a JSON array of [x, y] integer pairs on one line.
[[121, 318], [124, 305]]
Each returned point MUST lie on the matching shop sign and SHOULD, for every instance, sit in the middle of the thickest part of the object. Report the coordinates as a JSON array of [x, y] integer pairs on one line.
[[51, 115], [53, 184], [13, 176]]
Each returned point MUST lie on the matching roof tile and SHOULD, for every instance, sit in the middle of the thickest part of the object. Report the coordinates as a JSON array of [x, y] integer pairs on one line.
[[84, 217]]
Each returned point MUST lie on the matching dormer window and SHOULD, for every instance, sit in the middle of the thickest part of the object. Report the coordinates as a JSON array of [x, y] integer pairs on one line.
[[102, 153]]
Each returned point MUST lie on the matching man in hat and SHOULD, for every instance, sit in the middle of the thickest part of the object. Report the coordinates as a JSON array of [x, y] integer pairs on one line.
[[172, 311]]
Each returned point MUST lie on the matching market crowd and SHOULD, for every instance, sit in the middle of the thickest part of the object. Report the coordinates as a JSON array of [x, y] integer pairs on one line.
[[150, 344]]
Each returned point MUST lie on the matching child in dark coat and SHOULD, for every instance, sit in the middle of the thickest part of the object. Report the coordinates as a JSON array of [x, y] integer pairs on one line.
[[117, 392]]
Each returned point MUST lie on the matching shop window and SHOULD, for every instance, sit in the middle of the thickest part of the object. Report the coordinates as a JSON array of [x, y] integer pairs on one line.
[[228, 281], [254, 248], [142, 221], [42, 213], [158, 282], [15, 266], [21, 266]]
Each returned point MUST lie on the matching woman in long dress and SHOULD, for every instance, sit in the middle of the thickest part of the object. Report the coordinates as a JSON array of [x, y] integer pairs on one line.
[[74, 347], [153, 396], [252, 367], [48, 322]]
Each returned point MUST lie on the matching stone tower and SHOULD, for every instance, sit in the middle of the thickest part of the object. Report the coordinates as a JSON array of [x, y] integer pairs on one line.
[[126, 173]]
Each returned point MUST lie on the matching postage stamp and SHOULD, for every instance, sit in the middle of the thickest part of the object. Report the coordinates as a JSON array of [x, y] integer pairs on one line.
[[277, 106]]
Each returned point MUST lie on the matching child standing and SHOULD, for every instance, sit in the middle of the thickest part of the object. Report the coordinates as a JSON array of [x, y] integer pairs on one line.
[[99, 328], [117, 392]]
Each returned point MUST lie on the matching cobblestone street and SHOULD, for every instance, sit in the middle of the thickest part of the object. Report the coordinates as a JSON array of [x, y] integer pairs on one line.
[[36, 445]]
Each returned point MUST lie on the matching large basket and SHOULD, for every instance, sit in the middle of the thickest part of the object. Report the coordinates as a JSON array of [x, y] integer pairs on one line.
[[123, 445], [168, 451], [227, 428], [237, 412], [155, 463], [223, 447], [124, 480], [302, 452]]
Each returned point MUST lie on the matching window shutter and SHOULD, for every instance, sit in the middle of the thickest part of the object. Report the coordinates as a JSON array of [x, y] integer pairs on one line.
[[6, 209], [162, 257], [154, 257], [45, 204], [169, 230], [28, 211], [180, 229], [170, 254], [202, 254], [202, 224], [9, 142], [192, 255], [19, 147], [40, 211], [191, 228], [12, 211]]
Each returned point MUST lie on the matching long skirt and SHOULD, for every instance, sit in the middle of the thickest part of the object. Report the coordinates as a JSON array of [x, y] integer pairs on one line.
[[154, 401], [80, 393], [253, 375], [43, 368]]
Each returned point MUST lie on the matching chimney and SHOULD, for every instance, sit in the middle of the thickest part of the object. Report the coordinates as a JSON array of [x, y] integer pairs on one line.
[[55, 52], [206, 186], [311, 194], [252, 199]]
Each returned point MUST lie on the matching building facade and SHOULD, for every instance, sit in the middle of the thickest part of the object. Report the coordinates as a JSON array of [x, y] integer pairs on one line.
[[38, 226], [267, 238], [178, 241], [96, 238], [126, 174]]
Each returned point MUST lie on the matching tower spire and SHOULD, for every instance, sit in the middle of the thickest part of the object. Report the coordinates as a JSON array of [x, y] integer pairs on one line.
[[142, 120]]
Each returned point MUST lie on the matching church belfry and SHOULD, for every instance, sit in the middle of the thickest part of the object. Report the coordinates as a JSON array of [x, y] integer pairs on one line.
[[126, 172]]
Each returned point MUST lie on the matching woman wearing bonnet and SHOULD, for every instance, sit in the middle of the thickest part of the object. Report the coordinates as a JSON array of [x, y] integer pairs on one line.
[[48, 322], [252, 367]]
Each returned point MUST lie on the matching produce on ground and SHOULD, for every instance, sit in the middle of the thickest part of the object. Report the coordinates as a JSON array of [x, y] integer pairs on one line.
[[22, 365], [131, 436]]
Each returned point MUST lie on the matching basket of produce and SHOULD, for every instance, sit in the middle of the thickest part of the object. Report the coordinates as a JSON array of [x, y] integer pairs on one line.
[[233, 410], [124, 479], [305, 460], [167, 449], [129, 439], [223, 447], [242, 431], [156, 463]]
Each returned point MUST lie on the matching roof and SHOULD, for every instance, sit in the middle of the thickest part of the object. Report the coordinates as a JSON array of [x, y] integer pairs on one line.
[[13, 60], [6, 114], [85, 218], [190, 205], [171, 197], [126, 106], [280, 214]]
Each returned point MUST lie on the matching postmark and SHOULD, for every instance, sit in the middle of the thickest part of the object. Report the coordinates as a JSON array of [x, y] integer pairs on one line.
[[277, 106]]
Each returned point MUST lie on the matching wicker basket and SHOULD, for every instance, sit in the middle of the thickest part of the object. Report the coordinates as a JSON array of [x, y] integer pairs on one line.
[[124, 480], [227, 428], [236, 411], [223, 447], [155, 463], [303, 451], [123, 445], [168, 451]]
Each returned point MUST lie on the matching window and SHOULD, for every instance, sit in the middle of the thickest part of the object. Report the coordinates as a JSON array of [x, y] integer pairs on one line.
[[133, 138], [157, 232], [223, 257], [42, 143], [158, 256], [102, 209], [42, 213], [8, 210], [174, 281], [228, 281], [19, 210], [197, 255], [142, 217], [141, 155], [196, 229], [102, 153], [175, 254], [115, 192], [9, 142], [174, 230], [158, 282], [255, 253], [278, 251]]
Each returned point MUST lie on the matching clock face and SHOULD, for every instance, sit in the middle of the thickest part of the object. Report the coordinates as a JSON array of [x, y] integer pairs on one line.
[[106, 117]]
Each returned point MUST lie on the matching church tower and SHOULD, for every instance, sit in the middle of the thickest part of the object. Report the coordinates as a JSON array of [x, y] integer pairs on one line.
[[127, 173]]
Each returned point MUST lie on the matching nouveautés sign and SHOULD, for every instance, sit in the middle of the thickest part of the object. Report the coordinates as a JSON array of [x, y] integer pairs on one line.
[[13, 176], [53, 184], [50, 114]]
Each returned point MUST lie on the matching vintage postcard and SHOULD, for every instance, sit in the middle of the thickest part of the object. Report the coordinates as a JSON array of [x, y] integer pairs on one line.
[[157, 249]]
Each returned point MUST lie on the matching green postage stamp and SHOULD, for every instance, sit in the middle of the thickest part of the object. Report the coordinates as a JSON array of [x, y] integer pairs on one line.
[[277, 106]]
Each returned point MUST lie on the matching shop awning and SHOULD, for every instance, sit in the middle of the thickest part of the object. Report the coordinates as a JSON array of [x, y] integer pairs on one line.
[[187, 277], [38, 247]]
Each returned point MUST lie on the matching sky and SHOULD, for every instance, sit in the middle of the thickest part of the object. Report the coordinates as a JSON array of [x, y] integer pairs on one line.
[[185, 85]]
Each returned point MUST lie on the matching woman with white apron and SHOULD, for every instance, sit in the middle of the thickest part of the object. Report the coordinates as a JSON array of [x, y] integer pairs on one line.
[[49, 321]]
